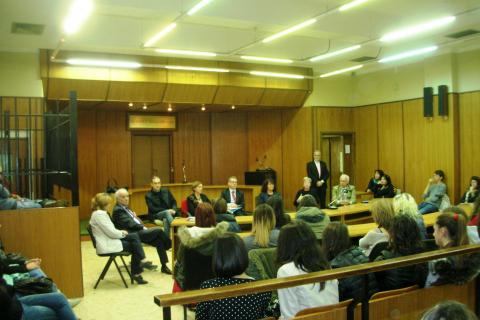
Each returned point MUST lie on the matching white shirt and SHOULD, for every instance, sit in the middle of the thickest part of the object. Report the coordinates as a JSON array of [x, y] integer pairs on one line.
[[317, 163], [368, 242], [294, 299], [231, 196]]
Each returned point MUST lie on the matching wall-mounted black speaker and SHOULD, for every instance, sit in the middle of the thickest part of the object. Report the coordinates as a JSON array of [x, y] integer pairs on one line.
[[428, 102], [443, 101]]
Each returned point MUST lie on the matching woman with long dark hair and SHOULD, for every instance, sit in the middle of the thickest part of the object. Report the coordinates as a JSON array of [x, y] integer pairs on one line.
[[385, 188], [268, 190]]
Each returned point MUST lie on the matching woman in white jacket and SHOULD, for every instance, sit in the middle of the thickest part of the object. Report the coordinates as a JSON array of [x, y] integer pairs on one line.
[[110, 240]]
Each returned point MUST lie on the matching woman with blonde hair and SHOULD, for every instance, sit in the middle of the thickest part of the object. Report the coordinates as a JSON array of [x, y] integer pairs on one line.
[[109, 239], [264, 234], [404, 203], [382, 214]]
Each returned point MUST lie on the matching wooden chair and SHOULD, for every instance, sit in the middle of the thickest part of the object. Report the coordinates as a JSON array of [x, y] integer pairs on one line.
[[111, 258], [332, 312], [184, 208]]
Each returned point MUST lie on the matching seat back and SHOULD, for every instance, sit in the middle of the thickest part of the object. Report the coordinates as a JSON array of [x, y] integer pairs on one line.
[[335, 311], [184, 208], [90, 232], [198, 268], [377, 250], [391, 293]]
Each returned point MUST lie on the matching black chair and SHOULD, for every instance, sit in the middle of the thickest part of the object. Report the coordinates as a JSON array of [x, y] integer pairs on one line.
[[111, 258], [377, 250]]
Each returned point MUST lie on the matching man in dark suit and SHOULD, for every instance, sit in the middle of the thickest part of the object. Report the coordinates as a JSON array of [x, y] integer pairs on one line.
[[125, 219], [318, 172], [161, 204], [235, 198]]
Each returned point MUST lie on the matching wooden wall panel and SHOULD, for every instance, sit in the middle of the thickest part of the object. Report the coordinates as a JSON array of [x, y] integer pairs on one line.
[[366, 144], [114, 154], [297, 149], [390, 141], [229, 146], [264, 134], [430, 144], [469, 106], [191, 143], [87, 160], [52, 234]]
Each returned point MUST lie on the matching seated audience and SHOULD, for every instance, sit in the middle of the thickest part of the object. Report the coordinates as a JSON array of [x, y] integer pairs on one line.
[[281, 218], [340, 252], [161, 204], [434, 193], [405, 203], [450, 231], [109, 239], [264, 234], [344, 193], [125, 218], [374, 183], [199, 238], [10, 307], [449, 310], [234, 197], [310, 213], [299, 253], [9, 201], [229, 262], [385, 188], [268, 190], [473, 227], [404, 240], [382, 214], [196, 197], [307, 189], [221, 214], [472, 193]]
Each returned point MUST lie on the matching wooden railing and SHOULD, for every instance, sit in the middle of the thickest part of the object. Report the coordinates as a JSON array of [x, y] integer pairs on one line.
[[194, 296]]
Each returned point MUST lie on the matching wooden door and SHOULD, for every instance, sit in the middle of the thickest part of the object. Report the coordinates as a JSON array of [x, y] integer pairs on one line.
[[161, 157], [151, 156]]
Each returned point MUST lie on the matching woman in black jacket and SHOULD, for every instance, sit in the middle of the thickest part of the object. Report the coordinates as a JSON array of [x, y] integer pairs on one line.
[[339, 251], [404, 240], [385, 188]]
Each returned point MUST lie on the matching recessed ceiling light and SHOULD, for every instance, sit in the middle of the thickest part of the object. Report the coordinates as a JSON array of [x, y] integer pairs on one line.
[[335, 53], [419, 28], [169, 108], [79, 11], [408, 54], [144, 107], [130, 104], [197, 69], [198, 6], [266, 59], [203, 107], [104, 63], [325, 75], [289, 30], [186, 52], [276, 75], [233, 107], [159, 35]]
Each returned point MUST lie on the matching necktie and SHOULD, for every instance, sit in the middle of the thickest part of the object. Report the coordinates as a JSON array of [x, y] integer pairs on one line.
[[234, 196]]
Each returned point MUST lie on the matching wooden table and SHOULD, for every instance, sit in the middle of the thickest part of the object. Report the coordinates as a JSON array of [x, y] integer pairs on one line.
[[344, 211], [182, 190]]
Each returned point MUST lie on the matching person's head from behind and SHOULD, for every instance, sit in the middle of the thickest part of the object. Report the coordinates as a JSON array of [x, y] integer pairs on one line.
[[230, 257], [450, 229], [449, 310], [276, 202], [335, 239], [383, 213], [122, 197], [385, 180], [475, 182], [344, 180], [297, 243], [378, 174], [156, 183], [307, 183], [263, 223], [197, 187], [232, 182], [404, 203], [101, 201], [438, 176], [308, 201], [268, 185], [220, 206], [204, 216], [405, 235]]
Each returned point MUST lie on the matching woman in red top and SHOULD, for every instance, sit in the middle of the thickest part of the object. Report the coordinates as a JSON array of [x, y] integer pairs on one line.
[[475, 213]]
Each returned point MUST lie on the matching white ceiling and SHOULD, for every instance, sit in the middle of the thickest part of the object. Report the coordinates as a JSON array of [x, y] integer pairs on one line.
[[225, 26]]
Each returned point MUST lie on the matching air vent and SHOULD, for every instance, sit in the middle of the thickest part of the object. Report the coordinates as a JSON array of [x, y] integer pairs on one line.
[[27, 28], [464, 33], [363, 59]]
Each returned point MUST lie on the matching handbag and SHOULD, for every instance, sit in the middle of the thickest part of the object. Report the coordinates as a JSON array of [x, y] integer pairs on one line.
[[33, 286]]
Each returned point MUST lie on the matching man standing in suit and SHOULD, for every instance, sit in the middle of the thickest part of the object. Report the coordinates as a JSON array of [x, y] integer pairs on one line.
[[235, 198], [318, 172], [161, 204], [125, 219]]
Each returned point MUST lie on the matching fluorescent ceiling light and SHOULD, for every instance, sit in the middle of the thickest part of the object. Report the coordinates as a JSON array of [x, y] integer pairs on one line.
[[351, 5], [341, 71], [335, 53], [419, 28], [266, 59], [408, 54], [104, 63], [79, 11], [277, 75], [162, 33], [198, 6], [197, 69], [289, 30], [186, 52]]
